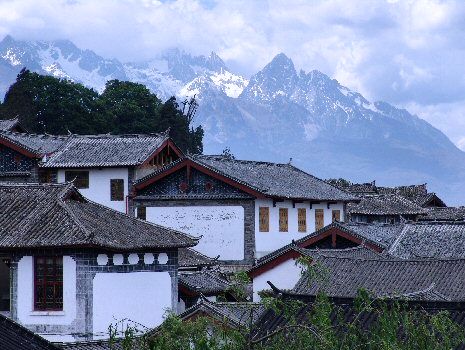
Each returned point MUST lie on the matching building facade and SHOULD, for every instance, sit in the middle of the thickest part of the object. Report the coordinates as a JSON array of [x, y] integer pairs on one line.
[[76, 266], [103, 167], [240, 209]]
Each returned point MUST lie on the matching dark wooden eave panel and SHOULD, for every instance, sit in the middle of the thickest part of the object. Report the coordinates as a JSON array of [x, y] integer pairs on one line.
[[190, 164]]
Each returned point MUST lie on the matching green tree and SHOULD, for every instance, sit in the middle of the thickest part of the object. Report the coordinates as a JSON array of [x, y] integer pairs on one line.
[[129, 108], [47, 104], [58, 106]]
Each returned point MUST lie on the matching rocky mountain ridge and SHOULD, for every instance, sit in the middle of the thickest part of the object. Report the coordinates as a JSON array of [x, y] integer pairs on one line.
[[278, 114]]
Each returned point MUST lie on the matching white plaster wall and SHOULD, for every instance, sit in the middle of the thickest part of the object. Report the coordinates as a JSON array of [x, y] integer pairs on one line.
[[222, 227], [283, 276], [266, 242], [99, 186], [25, 302], [142, 297]]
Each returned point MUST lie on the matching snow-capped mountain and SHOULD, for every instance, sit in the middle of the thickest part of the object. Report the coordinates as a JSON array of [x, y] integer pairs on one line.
[[167, 74], [330, 131], [278, 114]]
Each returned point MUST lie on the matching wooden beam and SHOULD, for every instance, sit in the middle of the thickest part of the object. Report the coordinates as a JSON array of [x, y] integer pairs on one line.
[[329, 203], [290, 254], [23, 151], [204, 170], [313, 202]]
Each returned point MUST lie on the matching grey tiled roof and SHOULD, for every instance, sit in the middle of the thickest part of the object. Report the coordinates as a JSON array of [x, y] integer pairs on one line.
[[383, 234], [207, 282], [56, 215], [416, 193], [233, 313], [343, 277], [430, 240], [93, 345], [8, 124], [360, 252], [189, 257], [105, 150], [270, 179], [13, 336], [34, 143], [275, 180], [384, 204], [444, 214]]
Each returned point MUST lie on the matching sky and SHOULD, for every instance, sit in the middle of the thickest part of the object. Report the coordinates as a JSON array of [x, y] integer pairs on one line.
[[410, 53]]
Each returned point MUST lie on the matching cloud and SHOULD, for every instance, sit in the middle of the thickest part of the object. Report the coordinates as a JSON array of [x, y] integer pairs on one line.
[[408, 52]]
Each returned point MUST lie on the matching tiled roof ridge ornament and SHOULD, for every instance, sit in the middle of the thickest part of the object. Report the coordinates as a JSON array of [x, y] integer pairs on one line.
[[278, 292]]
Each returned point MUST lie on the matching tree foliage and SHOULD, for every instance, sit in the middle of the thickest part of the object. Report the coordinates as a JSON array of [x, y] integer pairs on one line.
[[58, 106], [326, 327], [368, 324]]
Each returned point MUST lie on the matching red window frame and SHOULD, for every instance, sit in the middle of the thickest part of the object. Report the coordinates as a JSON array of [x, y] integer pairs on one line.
[[48, 283]]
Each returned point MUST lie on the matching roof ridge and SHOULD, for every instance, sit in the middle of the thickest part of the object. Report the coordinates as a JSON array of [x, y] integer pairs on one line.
[[144, 221], [238, 160], [226, 175], [88, 235], [395, 259], [135, 135]]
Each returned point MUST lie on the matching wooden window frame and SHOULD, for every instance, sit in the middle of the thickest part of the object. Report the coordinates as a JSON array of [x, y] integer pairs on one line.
[[116, 197], [283, 225], [142, 212], [332, 215], [302, 224], [265, 226], [56, 281], [317, 227], [75, 175]]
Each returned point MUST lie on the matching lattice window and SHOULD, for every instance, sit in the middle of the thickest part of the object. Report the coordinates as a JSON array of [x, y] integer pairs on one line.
[[117, 189], [319, 219], [302, 219], [283, 219], [336, 215], [80, 178], [48, 283], [142, 213], [264, 219]]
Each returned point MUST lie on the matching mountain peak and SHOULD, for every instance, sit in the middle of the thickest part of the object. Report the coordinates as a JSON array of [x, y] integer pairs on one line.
[[281, 61], [7, 40], [277, 78], [214, 62]]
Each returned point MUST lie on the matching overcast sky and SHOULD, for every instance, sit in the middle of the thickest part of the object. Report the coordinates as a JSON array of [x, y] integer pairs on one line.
[[409, 53]]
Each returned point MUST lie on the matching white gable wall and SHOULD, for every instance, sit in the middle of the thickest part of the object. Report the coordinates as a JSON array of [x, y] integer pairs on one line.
[[221, 227], [283, 276], [142, 297], [99, 185], [25, 299], [267, 242]]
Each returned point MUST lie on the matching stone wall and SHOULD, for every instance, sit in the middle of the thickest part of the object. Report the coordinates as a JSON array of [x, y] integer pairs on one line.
[[87, 267], [249, 219]]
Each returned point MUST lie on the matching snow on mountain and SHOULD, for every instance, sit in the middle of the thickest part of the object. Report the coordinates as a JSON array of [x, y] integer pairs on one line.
[[326, 128], [330, 131], [166, 75]]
